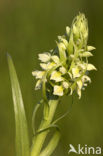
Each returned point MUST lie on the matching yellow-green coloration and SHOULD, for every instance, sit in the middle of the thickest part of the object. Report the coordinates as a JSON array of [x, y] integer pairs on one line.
[[64, 70], [68, 62]]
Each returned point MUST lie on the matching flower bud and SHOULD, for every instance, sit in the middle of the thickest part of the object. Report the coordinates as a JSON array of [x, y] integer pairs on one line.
[[80, 30]]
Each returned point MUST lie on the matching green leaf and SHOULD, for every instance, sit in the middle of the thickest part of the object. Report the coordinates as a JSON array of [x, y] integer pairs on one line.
[[22, 139]]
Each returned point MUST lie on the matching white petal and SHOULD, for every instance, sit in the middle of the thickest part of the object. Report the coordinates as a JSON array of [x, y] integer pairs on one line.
[[55, 59], [90, 48], [38, 85], [90, 67], [82, 66], [43, 66], [56, 76], [79, 84], [67, 30], [50, 65], [45, 57], [62, 70], [65, 85], [58, 90], [86, 54], [86, 78], [38, 74], [34, 73], [85, 84], [75, 72], [79, 92]]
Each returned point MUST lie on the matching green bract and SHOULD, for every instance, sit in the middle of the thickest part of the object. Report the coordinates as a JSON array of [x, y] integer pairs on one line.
[[65, 68]]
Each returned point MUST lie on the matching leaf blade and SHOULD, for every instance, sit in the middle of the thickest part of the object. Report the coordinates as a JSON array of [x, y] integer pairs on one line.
[[22, 139]]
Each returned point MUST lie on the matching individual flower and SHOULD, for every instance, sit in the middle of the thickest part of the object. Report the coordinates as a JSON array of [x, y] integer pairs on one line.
[[45, 57], [58, 90]]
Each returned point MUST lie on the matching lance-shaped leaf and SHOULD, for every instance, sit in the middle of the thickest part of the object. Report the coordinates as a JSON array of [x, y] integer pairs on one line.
[[22, 139]]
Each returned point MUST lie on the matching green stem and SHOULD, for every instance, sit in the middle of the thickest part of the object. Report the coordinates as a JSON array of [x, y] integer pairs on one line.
[[52, 145], [40, 138]]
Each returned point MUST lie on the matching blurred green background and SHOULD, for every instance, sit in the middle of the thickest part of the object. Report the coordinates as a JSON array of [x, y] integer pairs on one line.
[[28, 28]]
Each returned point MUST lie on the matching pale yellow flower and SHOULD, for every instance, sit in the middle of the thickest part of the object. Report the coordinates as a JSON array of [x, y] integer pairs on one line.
[[58, 90], [57, 76], [45, 57], [38, 74]]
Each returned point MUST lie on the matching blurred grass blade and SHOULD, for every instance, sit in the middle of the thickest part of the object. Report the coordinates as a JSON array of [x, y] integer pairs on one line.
[[22, 139]]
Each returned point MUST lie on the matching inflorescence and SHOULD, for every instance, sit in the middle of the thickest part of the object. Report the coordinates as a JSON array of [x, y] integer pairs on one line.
[[65, 69]]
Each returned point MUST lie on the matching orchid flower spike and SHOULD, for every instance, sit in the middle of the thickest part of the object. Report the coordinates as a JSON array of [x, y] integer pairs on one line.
[[65, 69]]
